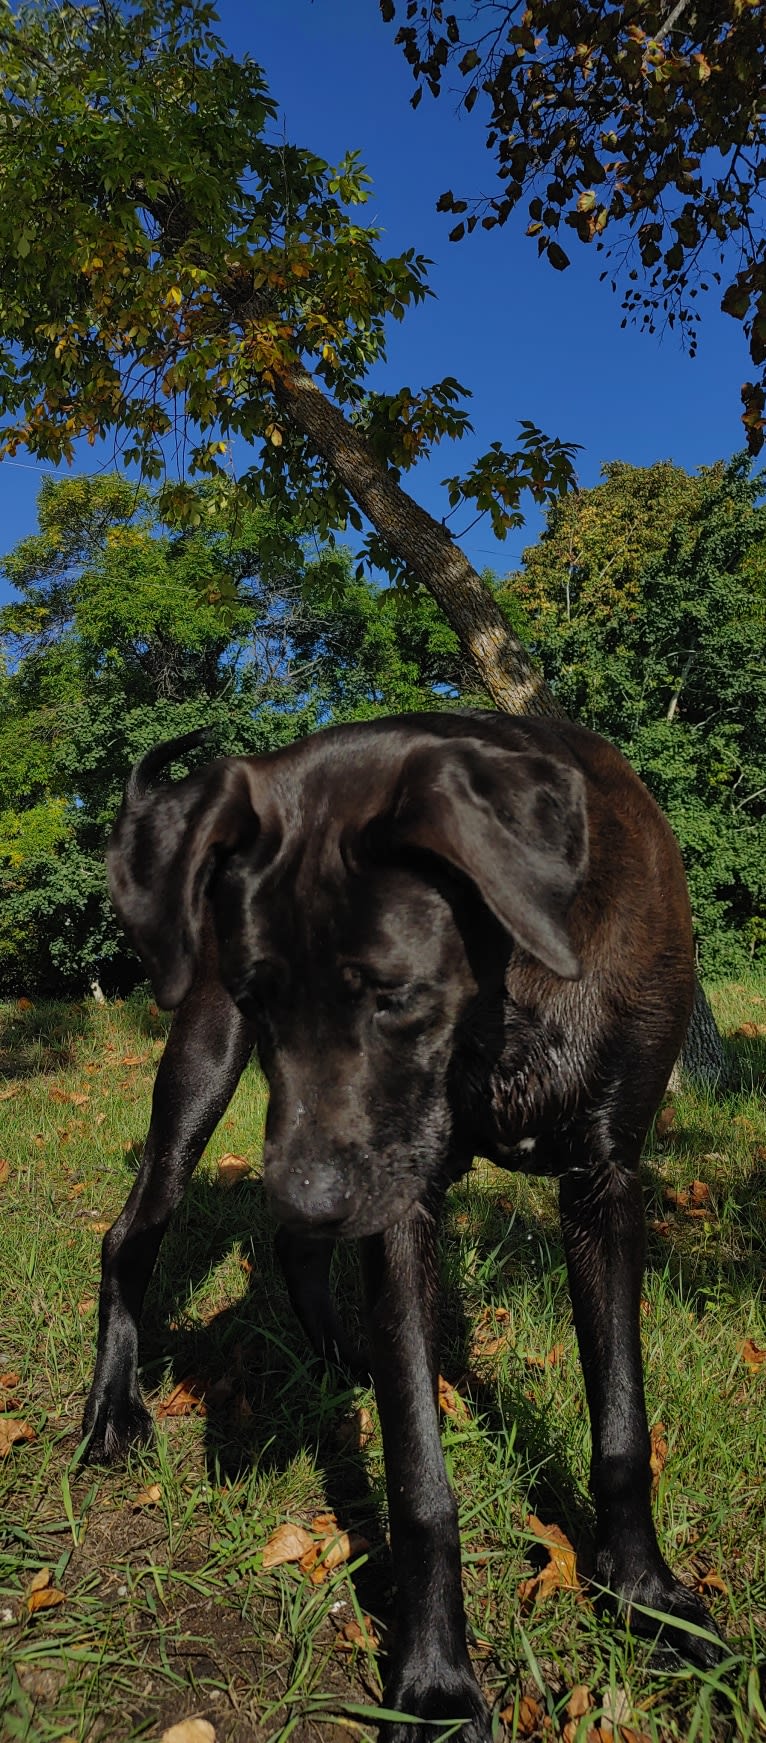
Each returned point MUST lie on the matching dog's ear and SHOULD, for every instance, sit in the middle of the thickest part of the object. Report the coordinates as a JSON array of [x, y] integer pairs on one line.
[[162, 851], [515, 823]]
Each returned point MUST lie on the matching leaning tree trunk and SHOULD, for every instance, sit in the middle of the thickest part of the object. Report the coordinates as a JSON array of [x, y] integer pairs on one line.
[[503, 663]]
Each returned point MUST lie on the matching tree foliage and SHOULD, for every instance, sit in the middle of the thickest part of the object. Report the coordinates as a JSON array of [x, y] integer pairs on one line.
[[125, 631], [646, 598], [637, 127], [167, 263]]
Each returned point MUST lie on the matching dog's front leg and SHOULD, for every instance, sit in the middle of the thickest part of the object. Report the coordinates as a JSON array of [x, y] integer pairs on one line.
[[603, 1225], [431, 1676], [207, 1049]]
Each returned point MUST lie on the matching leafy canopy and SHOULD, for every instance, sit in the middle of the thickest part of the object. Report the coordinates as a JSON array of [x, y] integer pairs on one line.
[[635, 125], [168, 263], [646, 602]]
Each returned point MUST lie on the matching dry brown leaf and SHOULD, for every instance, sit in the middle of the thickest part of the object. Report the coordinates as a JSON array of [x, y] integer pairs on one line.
[[232, 1169], [658, 1455], [189, 1731], [79, 1101], [42, 1594], [352, 1635], [76, 1191], [186, 1399], [750, 1031], [616, 1709], [99, 1227], [665, 1119], [659, 1228], [8, 1380], [711, 1582], [699, 1192], [9, 1093], [11, 1432], [560, 1571], [24, 1005], [56, 1093], [5, 1169], [527, 1714], [450, 1401], [550, 1361], [342, 1546], [287, 1543], [752, 1356], [147, 1497], [324, 1522], [88, 1302], [760, 1153], [580, 1701], [357, 1431], [8, 1400], [99, 1120], [134, 1058]]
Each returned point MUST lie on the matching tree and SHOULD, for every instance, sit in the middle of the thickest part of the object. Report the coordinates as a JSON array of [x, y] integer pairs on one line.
[[169, 273], [646, 599], [125, 632], [163, 263], [639, 128]]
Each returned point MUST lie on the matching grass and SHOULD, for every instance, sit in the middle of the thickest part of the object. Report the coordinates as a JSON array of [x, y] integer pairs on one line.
[[167, 1612]]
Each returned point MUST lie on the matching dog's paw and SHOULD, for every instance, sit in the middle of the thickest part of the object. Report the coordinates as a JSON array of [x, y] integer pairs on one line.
[[679, 1614], [437, 1711], [114, 1427]]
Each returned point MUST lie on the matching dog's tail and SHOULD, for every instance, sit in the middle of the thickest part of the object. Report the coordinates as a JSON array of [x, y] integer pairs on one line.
[[148, 766]]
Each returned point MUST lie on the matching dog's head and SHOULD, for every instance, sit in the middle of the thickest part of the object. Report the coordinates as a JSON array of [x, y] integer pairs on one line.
[[365, 892]]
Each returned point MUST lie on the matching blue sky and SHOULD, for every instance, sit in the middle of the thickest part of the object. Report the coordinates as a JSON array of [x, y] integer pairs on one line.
[[527, 341]]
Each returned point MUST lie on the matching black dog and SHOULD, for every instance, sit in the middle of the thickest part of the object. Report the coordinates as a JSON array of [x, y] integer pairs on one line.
[[445, 934]]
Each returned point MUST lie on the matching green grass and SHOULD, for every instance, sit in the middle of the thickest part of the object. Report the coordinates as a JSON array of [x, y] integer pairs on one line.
[[167, 1612]]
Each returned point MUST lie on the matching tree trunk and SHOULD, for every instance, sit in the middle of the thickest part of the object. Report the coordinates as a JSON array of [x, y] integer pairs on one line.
[[503, 663]]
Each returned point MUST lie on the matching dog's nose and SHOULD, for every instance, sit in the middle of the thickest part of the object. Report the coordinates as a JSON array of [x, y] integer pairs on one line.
[[314, 1197]]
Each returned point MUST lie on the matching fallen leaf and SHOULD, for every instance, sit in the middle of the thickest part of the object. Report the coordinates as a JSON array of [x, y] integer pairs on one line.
[[9, 1093], [760, 1153], [88, 1302], [658, 1455], [147, 1497], [526, 1714], [550, 1361], [9, 1401], [42, 1594], [232, 1169], [324, 1522], [186, 1399], [677, 1199], [750, 1031], [699, 1192], [752, 1356], [580, 1701], [357, 1431], [98, 1228], [616, 1708], [659, 1227], [352, 1636], [665, 1119], [5, 1169], [56, 1093], [711, 1582], [560, 1571], [76, 1191], [11, 1432], [24, 1005], [79, 1101], [8, 1380], [450, 1401], [189, 1731], [134, 1059], [340, 1547], [287, 1543]]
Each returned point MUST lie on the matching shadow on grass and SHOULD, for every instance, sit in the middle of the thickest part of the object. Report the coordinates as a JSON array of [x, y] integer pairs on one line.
[[41, 1040]]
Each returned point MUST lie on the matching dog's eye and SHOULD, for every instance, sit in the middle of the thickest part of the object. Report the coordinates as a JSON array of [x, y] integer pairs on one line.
[[353, 979]]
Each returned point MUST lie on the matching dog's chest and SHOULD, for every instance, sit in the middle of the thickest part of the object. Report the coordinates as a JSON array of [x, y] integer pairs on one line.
[[517, 1082]]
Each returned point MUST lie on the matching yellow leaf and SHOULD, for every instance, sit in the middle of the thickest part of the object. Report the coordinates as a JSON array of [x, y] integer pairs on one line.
[[147, 1497], [232, 1169], [175, 295], [190, 1731], [11, 1432], [287, 1543]]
